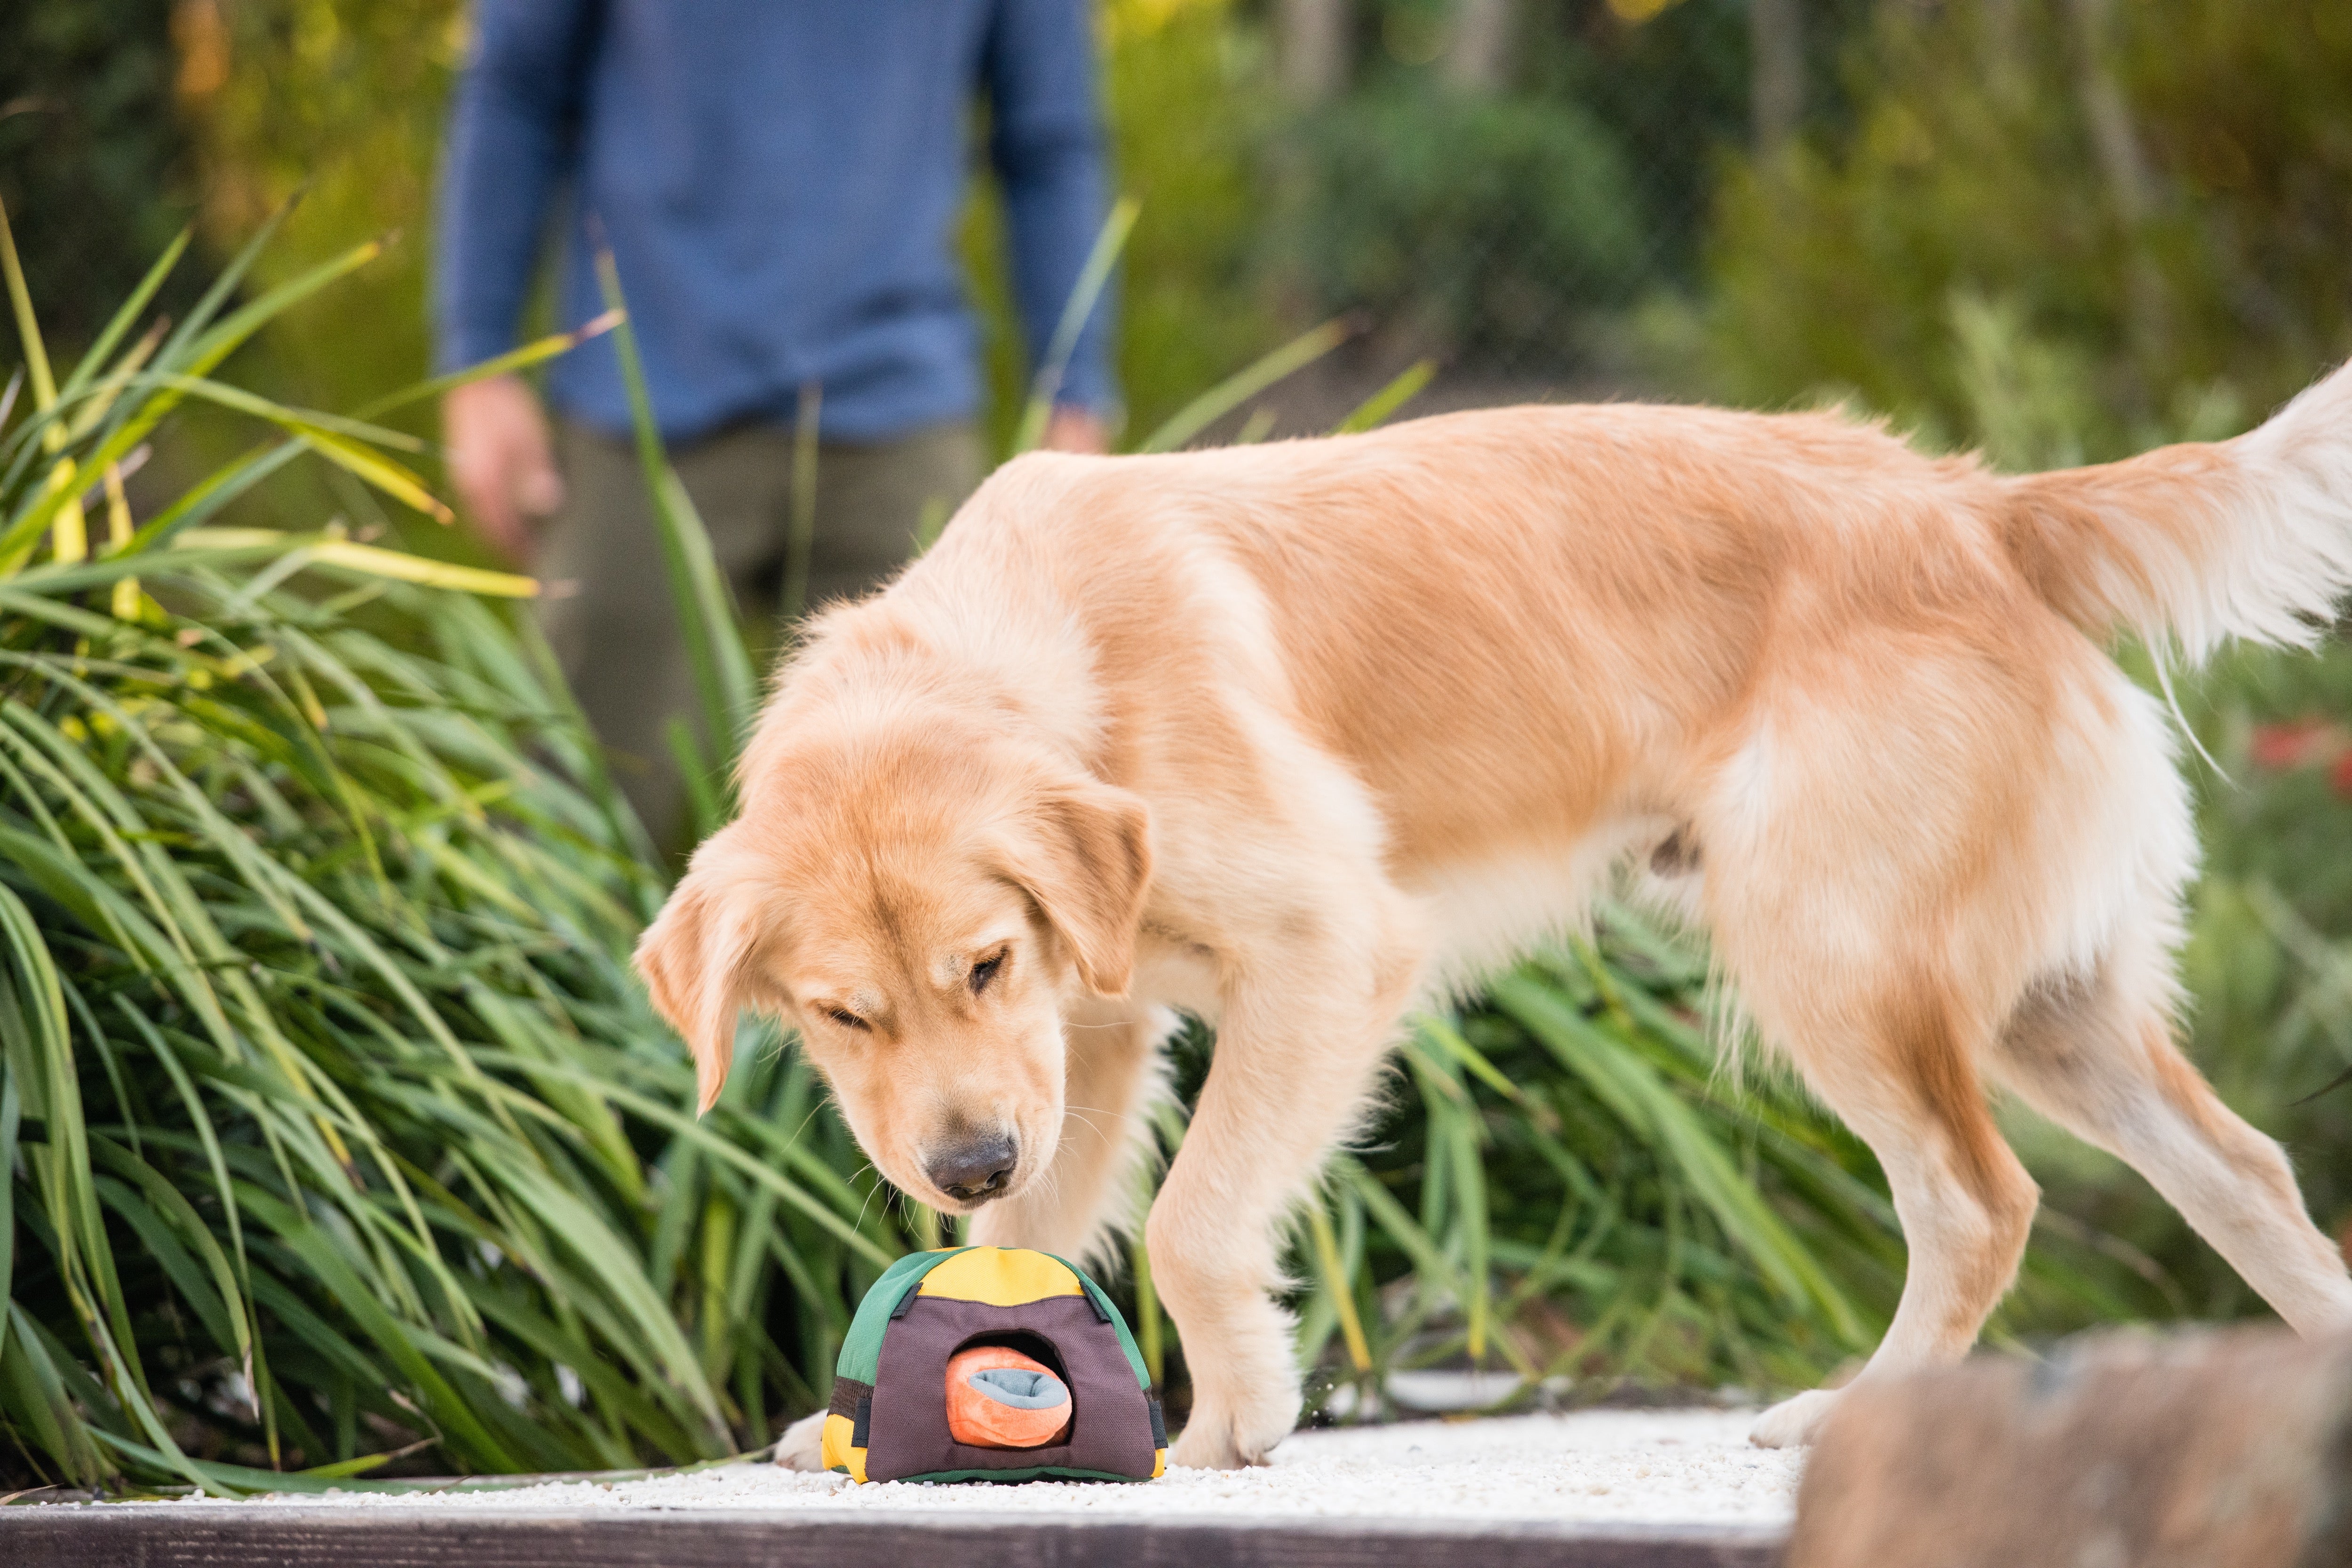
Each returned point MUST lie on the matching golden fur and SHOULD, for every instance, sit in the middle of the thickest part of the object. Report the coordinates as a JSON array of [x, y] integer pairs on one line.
[[1288, 736]]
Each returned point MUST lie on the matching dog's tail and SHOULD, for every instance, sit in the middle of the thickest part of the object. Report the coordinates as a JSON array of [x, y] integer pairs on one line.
[[2249, 538]]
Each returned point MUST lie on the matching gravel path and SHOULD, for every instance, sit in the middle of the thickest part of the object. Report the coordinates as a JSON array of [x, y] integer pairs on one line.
[[1678, 1466]]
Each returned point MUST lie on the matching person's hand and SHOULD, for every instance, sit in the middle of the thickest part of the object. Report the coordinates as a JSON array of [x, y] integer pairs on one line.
[[501, 462], [1075, 430]]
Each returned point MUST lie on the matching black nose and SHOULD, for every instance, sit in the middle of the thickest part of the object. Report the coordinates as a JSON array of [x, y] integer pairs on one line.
[[973, 1170]]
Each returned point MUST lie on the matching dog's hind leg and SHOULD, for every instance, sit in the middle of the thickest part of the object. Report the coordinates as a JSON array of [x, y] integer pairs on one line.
[[1855, 862], [1900, 1069], [1092, 1190], [2096, 1055]]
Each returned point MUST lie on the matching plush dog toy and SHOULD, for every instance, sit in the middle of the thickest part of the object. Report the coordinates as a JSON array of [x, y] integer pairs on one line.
[[989, 1363]]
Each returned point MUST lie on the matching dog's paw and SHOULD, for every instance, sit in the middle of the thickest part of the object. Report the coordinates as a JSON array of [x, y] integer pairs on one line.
[[1235, 1435], [802, 1447], [1794, 1423], [1210, 1444]]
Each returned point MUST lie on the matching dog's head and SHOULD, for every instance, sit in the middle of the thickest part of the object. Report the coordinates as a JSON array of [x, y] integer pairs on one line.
[[920, 908]]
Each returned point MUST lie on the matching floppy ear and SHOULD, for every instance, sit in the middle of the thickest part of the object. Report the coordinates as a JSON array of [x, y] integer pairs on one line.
[[1084, 855], [693, 959]]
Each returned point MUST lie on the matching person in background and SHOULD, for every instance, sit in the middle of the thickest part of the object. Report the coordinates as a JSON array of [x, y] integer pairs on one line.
[[780, 186]]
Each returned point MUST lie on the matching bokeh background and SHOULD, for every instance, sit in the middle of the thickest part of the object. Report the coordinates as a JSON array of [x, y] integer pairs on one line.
[[2057, 231]]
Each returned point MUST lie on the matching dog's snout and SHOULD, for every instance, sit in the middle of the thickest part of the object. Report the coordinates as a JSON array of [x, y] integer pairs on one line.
[[974, 1169]]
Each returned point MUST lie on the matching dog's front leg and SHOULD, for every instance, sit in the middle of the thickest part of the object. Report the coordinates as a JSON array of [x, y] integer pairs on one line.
[[1297, 1048]]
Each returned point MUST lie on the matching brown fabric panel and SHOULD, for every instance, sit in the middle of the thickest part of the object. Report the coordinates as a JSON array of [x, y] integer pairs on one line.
[[847, 1392], [1110, 1423]]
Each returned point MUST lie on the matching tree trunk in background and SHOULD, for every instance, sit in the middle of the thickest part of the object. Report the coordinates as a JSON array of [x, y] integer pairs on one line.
[[2123, 168], [2001, 37], [2121, 163], [1479, 60], [1314, 44], [1776, 79]]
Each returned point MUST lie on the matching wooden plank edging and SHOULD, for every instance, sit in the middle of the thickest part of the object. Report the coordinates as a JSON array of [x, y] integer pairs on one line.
[[232, 1535]]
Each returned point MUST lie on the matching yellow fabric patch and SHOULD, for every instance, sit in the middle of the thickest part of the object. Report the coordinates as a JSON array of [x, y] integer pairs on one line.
[[1000, 1276], [838, 1454]]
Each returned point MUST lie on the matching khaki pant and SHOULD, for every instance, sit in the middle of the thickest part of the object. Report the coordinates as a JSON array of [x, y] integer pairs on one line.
[[611, 617]]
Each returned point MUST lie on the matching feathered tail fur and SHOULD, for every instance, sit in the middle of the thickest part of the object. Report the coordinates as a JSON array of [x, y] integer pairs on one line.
[[2249, 538]]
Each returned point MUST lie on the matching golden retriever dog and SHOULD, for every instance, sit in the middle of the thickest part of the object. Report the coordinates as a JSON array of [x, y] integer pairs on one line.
[[1295, 737]]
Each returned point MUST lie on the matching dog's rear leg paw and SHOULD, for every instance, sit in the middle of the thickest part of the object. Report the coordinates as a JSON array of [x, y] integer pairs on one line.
[[1794, 1423], [802, 1447]]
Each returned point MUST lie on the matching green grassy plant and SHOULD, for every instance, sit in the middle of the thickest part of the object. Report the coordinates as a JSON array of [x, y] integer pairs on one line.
[[340, 1143], [2199, 249], [335, 1135], [1493, 227]]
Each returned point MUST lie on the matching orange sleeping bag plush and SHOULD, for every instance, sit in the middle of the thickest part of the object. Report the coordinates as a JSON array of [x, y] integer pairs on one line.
[[999, 1398]]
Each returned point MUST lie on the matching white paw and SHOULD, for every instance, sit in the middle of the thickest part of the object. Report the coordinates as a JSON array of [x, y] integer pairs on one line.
[[802, 1447], [1223, 1435], [1794, 1423]]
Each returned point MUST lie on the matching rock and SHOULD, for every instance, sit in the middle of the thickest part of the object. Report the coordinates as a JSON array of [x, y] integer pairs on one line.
[[2213, 1449]]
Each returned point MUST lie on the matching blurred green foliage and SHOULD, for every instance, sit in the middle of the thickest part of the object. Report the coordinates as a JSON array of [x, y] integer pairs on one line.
[[1187, 92], [1481, 226], [2200, 245], [2057, 230], [342, 105], [87, 138]]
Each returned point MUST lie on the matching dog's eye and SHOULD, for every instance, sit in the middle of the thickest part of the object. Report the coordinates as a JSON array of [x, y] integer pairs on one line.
[[845, 1018], [985, 971]]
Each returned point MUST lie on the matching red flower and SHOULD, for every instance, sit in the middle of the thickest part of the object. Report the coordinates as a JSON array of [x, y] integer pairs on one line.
[[2339, 777], [2291, 745]]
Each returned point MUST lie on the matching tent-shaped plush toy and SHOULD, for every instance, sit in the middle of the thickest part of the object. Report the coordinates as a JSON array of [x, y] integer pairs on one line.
[[992, 1364]]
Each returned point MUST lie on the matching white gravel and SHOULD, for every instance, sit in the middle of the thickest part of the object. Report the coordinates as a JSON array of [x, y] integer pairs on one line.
[[1680, 1467]]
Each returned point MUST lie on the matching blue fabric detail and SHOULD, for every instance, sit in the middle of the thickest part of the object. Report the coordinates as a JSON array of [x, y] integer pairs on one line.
[[1020, 1388], [780, 186]]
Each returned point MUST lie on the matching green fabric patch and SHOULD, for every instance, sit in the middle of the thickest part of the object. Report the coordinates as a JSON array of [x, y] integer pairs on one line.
[[861, 1348], [1034, 1473]]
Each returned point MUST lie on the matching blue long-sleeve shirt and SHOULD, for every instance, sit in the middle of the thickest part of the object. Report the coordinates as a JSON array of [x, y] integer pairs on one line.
[[781, 181]]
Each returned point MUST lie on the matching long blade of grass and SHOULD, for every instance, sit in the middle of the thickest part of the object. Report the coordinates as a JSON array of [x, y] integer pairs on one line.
[[537, 351], [706, 611], [1248, 382], [1085, 294], [800, 541], [217, 490], [1632, 1088], [379, 472], [1341, 1289], [203, 353], [297, 420], [1375, 411], [102, 348], [65, 508], [28, 328], [176, 348]]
